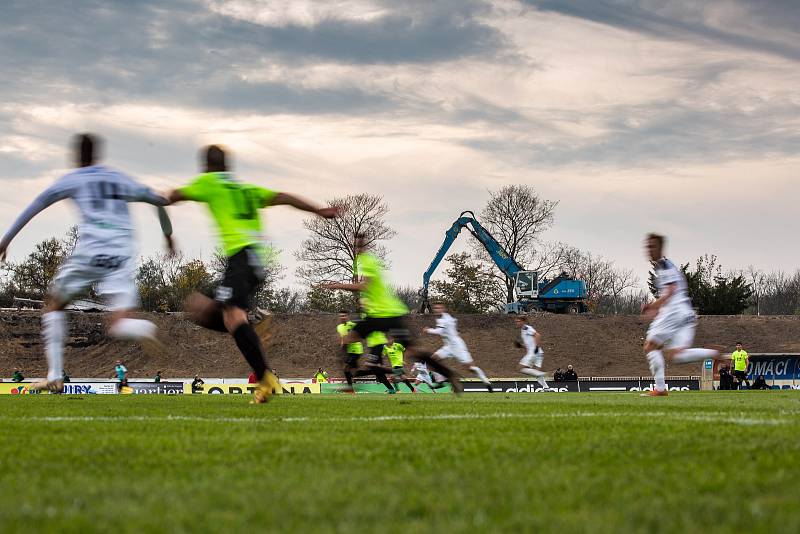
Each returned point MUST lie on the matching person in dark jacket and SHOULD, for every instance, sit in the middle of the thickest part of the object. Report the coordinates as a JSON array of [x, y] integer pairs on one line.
[[558, 376], [570, 374], [760, 383], [725, 378]]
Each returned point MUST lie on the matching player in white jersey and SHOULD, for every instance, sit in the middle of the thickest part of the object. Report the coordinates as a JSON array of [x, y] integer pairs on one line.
[[531, 341], [423, 376], [454, 347], [104, 254], [671, 331]]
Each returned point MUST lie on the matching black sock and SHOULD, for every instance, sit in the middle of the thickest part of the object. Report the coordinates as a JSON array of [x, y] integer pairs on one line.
[[383, 380], [248, 342], [409, 384], [349, 377]]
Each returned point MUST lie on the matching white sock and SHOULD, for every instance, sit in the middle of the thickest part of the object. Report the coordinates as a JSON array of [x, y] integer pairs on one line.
[[53, 330], [694, 355], [481, 375], [656, 360], [132, 329], [543, 383]]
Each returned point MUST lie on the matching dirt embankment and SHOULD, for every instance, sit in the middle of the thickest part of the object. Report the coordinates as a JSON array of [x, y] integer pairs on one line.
[[596, 346]]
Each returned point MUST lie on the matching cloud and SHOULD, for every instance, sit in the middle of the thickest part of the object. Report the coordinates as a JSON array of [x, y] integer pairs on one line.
[[691, 20]]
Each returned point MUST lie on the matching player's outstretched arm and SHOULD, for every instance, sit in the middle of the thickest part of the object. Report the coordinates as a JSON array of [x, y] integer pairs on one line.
[[50, 196], [287, 199], [355, 288]]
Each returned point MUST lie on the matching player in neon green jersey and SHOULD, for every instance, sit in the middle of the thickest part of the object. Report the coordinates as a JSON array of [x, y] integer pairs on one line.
[[383, 311], [394, 351], [234, 207]]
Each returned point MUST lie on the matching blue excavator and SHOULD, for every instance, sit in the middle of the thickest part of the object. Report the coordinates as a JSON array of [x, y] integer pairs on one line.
[[562, 294]]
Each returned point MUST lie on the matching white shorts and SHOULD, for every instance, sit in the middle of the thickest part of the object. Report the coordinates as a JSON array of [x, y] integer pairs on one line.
[[112, 269], [532, 359], [673, 328], [459, 353]]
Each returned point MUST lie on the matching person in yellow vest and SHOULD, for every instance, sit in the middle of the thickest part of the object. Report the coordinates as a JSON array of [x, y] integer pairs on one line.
[[352, 351], [394, 351], [740, 360], [321, 377]]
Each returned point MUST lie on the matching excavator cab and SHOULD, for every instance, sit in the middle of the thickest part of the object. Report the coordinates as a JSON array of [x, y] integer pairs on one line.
[[527, 285]]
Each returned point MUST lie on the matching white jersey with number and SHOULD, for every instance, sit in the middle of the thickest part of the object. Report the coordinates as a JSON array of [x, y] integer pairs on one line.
[[454, 346], [101, 195], [104, 253]]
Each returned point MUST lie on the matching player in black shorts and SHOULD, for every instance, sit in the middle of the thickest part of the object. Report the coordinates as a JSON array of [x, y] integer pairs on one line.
[[384, 312], [234, 206]]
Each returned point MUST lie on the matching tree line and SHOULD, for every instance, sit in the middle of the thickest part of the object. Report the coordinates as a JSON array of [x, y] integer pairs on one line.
[[468, 282]]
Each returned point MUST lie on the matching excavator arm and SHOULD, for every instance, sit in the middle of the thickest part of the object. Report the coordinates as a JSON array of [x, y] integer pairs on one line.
[[496, 251]]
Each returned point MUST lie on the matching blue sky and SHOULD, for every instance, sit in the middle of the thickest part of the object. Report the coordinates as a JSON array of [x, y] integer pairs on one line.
[[676, 116]]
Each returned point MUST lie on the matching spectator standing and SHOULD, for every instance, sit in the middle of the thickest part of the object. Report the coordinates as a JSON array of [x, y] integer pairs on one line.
[[558, 376], [17, 376], [157, 378], [740, 361], [321, 377], [197, 384], [570, 374], [252, 378], [65, 377]]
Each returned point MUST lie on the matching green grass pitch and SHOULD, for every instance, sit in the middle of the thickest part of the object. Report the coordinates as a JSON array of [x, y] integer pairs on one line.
[[692, 462]]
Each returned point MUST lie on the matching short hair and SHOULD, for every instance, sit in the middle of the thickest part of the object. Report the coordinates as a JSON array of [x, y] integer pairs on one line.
[[523, 318], [738, 342], [343, 312], [360, 235], [87, 148], [658, 238], [215, 159]]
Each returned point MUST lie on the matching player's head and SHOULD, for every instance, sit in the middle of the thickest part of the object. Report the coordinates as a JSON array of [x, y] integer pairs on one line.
[[654, 246], [438, 307], [215, 160], [389, 340], [359, 242], [87, 149], [738, 345], [521, 320], [343, 316]]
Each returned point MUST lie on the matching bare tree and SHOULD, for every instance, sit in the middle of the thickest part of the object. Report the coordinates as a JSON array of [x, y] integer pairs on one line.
[[757, 280], [620, 281], [516, 216], [328, 255], [594, 270]]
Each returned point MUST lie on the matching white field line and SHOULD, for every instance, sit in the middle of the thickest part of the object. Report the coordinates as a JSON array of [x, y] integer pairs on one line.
[[716, 417]]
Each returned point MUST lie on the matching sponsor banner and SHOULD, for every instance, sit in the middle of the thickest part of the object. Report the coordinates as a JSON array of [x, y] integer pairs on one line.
[[519, 386], [153, 388], [599, 386], [22, 388], [292, 388], [90, 388], [378, 388], [772, 366]]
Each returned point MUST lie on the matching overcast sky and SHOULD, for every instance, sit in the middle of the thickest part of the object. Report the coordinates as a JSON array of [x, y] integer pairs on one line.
[[676, 116]]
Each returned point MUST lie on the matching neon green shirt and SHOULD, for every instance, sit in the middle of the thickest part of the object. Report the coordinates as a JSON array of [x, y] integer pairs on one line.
[[352, 348], [234, 207], [376, 338], [739, 358], [379, 299], [395, 354]]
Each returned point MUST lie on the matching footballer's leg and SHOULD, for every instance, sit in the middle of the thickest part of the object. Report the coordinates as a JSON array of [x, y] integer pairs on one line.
[[655, 360]]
